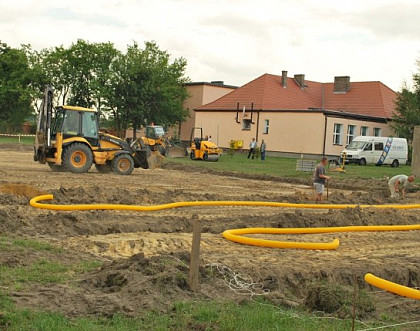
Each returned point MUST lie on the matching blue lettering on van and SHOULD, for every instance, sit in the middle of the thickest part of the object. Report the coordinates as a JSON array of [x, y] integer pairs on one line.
[[385, 151]]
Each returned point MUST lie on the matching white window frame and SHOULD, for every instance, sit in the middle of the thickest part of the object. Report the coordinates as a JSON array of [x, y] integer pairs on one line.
[[350, 135], [266, 126], [365, 133], [337, 133], [377, 132]]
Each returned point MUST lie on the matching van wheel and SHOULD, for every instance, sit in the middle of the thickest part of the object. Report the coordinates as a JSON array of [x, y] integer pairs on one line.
[[395, 164], [362, 162], [77, 158]]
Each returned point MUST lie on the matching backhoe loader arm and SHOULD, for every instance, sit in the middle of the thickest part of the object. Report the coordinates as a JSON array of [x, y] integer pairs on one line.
[[43, 130]]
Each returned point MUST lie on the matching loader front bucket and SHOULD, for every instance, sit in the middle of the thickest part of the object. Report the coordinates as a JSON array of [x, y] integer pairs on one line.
[[155, 159]]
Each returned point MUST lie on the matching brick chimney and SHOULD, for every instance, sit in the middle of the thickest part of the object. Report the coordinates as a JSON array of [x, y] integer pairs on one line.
[[300, 80], [341, 84], [284, 78]]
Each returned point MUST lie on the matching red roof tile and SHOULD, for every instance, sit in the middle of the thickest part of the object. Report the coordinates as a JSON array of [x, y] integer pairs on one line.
[[267, 93]]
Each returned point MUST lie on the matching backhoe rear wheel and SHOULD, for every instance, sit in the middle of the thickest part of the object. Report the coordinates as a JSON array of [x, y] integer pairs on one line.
[[123, 164], [77, 158]]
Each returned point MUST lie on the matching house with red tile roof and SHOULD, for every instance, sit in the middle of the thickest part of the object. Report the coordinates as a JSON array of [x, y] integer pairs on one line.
[[297, 116]]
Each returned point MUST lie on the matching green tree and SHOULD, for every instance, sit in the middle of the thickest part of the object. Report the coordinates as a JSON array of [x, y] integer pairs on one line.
[[15, 90], [149, 88], [408, 113]]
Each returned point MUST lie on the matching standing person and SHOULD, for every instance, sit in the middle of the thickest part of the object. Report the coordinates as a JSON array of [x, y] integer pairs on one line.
[[252, 146], [398, 183], [320, 179], [262, 149]]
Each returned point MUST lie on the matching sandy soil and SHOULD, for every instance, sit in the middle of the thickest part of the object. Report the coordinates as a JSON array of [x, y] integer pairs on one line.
[[145, 255]]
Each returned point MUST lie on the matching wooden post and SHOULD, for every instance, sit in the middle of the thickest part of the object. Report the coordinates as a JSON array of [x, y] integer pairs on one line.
[[195, 254]]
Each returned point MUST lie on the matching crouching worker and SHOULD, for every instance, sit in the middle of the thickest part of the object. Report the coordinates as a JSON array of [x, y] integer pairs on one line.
[[320, 179], [398, 183]]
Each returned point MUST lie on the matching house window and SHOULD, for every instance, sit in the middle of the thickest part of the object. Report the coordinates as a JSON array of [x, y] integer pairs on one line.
[[364, 131], [266, 126], [246, 124], [337, 134], [351, 129], [377, 132]]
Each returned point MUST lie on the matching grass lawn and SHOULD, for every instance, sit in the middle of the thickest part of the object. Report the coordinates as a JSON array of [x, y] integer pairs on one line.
[[286, 167], [15, 140]]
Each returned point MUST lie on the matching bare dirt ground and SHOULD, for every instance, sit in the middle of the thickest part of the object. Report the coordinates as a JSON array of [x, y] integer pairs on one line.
[[146, 254]]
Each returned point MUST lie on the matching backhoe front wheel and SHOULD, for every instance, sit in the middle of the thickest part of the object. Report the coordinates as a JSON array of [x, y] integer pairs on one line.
[[77, 158], [123, 164], [56, 168]]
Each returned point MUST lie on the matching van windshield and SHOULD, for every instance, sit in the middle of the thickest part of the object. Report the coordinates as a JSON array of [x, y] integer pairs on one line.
[[356, 145]]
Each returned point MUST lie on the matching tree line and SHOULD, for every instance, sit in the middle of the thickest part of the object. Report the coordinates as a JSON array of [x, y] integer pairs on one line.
[[407, 114], [129, 89]]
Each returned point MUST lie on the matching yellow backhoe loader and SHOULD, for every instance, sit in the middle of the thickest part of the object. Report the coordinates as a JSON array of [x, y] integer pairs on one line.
[[202, 149], [68, 139]]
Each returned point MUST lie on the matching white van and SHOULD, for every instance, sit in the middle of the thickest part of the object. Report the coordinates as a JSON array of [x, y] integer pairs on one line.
[[376, 150]]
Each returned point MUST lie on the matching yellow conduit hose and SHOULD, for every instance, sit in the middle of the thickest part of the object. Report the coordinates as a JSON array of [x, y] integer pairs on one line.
[[392, 287], [35, 203], [235, 234]]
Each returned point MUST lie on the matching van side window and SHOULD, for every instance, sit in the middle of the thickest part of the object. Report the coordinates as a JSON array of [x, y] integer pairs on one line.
[[379, 146], [368, 147]]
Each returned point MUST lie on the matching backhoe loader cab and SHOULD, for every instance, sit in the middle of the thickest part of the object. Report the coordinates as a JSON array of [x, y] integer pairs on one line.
[[156, 139], [68, 139], [202, 149]]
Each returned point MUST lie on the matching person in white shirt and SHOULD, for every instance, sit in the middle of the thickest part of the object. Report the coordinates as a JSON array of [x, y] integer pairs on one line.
[[252, 146]]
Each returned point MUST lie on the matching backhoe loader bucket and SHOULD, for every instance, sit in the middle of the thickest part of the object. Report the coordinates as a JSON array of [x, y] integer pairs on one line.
[[155, 159]]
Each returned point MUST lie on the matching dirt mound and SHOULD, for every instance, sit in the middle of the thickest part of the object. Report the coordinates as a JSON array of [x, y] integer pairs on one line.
[[147, 253], [21, 189]]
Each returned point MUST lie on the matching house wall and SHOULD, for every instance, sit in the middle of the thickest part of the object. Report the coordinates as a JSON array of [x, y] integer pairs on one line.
[[289, 132], [335, 149], [200, 94]]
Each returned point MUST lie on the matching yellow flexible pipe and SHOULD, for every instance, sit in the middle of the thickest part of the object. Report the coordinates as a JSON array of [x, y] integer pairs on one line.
[[392, 287], [35, 203], [236, 235]]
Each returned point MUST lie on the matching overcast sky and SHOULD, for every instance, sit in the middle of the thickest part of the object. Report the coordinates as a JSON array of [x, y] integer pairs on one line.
[[238, 40]]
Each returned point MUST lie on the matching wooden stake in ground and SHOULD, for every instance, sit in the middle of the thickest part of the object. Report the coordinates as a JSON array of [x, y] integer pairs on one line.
[[195, 254]]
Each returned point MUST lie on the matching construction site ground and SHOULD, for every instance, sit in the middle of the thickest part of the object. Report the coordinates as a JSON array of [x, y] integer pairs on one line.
[[145, 255]]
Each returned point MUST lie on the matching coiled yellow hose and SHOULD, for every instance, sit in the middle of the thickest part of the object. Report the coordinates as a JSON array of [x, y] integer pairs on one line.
[[236, 235]]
